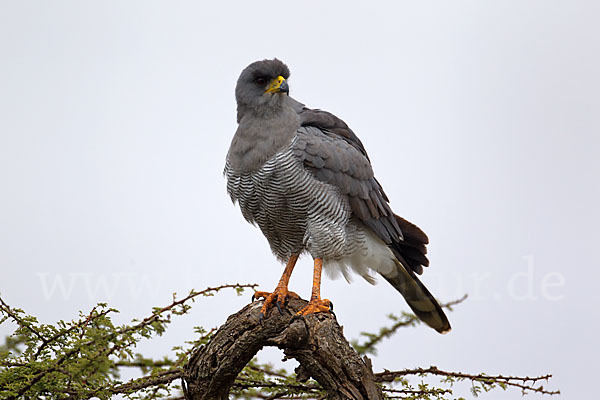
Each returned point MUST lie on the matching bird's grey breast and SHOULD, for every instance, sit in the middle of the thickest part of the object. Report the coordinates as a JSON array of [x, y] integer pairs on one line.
[[258, 139]]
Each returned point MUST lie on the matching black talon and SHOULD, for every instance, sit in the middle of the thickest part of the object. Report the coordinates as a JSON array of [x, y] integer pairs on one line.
[[331, 306], [260, 318], [296, 317], [279, 307], [253, 297]]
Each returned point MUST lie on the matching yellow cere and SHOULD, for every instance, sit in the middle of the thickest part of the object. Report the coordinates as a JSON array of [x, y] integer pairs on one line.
[[275, 84]]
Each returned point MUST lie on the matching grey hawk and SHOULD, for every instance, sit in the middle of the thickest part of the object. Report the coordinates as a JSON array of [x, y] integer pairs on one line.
[[305, 179]]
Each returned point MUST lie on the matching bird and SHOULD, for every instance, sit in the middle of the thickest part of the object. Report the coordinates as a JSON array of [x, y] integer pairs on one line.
[[305, 179]]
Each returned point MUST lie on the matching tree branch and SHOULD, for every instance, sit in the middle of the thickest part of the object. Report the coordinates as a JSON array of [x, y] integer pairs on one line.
[[316, 342], [526, 384]]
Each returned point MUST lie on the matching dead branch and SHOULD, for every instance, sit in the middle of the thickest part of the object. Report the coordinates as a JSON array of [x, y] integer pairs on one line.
[[316, 342]]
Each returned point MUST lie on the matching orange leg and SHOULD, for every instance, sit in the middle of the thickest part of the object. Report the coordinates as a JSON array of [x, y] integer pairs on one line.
[[281, 293], [316, 304]]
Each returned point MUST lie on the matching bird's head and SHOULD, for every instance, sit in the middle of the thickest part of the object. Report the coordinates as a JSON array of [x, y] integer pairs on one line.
[[262, 85]]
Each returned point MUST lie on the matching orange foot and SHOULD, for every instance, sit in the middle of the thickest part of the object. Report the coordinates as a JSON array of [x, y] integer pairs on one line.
[[279, 297], [317, 306]]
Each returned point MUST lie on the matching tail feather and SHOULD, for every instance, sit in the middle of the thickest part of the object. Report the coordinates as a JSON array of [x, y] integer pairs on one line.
[[411, 255], [419, 299]]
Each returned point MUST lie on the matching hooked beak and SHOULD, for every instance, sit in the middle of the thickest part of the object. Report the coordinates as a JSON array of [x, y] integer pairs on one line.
[[278, 85]]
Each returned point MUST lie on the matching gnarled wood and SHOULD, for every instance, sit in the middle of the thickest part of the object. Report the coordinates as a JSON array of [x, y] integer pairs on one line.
[[316, 341]]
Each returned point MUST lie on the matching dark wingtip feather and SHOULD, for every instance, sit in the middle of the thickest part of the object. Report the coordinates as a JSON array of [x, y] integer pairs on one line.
[[411, 231], [412, 250]]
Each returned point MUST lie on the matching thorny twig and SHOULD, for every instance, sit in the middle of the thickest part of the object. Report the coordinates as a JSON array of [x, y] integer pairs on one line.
[[514, 381]]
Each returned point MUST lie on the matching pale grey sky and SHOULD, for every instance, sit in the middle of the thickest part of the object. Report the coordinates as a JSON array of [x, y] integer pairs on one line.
[[481, 119]]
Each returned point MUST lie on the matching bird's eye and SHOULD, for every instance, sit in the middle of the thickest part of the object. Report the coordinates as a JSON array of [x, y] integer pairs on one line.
[[260, 80]]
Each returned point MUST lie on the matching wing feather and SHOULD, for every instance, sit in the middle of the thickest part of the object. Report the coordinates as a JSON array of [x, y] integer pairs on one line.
[[335, 155]]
